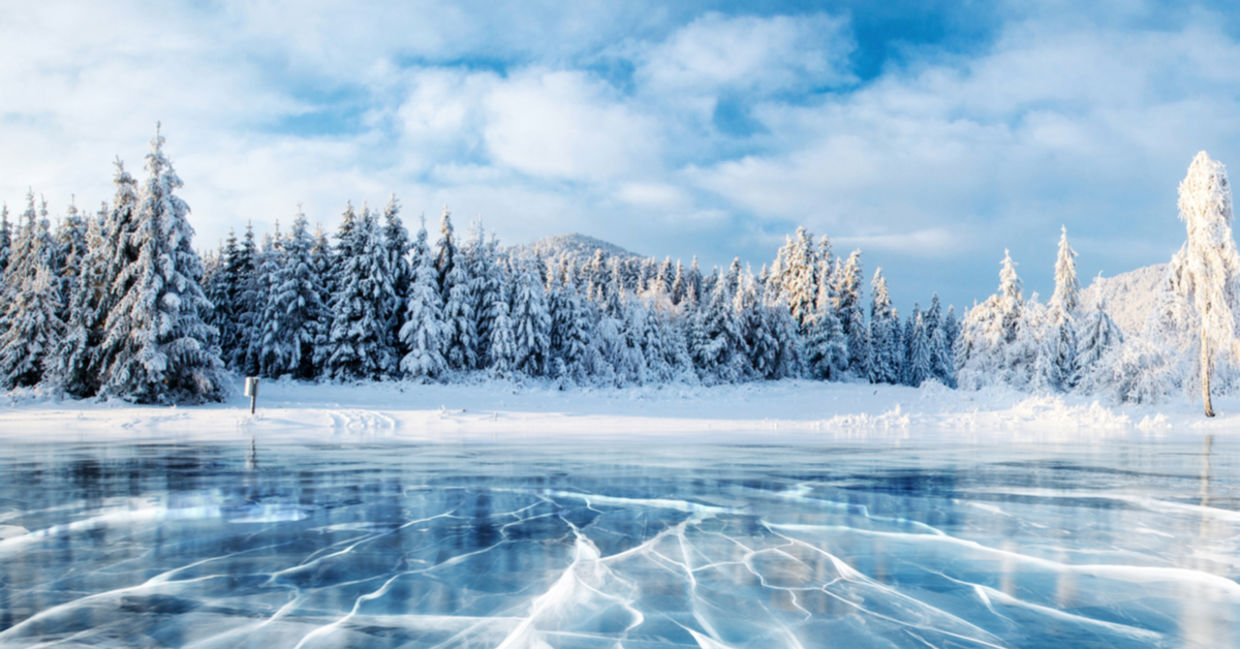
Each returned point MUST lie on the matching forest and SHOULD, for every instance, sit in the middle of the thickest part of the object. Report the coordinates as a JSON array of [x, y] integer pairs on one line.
[[119, 304]]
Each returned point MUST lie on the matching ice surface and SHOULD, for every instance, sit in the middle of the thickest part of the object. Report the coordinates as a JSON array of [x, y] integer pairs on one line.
[[865, 543]]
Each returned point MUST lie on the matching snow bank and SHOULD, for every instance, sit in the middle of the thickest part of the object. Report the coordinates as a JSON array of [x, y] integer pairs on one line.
[[492, 409]]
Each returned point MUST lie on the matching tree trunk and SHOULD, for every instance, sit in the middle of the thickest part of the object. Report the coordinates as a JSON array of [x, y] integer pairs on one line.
[[1205, 374]]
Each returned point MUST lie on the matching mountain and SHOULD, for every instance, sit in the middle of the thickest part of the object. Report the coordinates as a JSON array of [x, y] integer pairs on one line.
[[1130, 296], [578, 247]]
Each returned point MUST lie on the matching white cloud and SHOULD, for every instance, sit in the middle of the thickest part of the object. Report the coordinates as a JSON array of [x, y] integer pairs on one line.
[[562, 124], [718, 53], [1049, 127]]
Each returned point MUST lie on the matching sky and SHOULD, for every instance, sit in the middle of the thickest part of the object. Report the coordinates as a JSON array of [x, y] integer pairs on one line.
[[932, 135]]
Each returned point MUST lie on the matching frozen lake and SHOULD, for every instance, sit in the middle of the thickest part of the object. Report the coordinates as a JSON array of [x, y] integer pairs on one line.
[[860, 543]]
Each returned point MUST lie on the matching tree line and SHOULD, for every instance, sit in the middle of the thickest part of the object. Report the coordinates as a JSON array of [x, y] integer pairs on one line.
[[119, 304]]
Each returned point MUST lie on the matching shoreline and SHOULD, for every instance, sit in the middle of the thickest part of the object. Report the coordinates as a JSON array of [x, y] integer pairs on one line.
[[494, 409]]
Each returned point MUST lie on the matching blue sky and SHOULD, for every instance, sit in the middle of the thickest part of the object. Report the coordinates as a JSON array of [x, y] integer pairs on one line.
[[930, 134]]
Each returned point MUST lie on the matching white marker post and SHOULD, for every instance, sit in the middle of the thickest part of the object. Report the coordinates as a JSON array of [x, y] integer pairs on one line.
[[251, 391]]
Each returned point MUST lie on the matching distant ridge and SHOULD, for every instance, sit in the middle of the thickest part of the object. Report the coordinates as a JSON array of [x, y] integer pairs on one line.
[[577, 247], [1130, 297]]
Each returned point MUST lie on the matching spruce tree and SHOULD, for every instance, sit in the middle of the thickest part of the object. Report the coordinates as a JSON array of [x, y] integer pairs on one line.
[[1208, 268], [1060, 344], [884, 334], [397, 246], [160, 344], [357, 340], [28, 345], [78, 369], [422, 333], [847, 296], [295, 309], [530, 322]]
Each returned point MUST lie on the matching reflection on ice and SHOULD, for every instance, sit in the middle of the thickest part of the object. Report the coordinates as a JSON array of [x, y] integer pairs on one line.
[[1129, 544]]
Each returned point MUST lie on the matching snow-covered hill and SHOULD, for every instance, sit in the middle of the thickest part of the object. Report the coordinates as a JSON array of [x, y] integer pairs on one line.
[[578, 247], [1129, 296]]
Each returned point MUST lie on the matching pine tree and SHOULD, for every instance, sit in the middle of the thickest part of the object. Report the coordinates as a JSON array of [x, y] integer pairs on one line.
[[460, 322], [531, 322], [847, 297], [919, 361], [502, 345], [267, 348], [160, 345], [357, 342], [6, 240], [718, 345], [1060, 343], [1098, 336], [29, 343], [445, 253], [323, 264], [423, 329], [481, 258], [884, 334], [295, 310], [571, 331], [1010, 300], [1208, 267], [396, 245], [942, 364], [71, 251], [243, 270], [78, 367]]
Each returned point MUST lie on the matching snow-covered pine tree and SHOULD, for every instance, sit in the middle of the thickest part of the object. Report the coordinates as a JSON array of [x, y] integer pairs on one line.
[[161, 345], [423, 330], [482, 260], [357, 341], [693, 284], [799, 281], [295, 309], [6, 240], [678, 285], [942, 364], [847, 297], [886, 347], [77, 369], [396, 244], [1027, 361], [503, 346], [324, 260], [918, 367], [244, 305], [267, 348], [1098, 336], [530, 321], [460, 321], [762, 348], [33, 245], [572, 326], [988, 331], [718, 346], [1060, 343], [1010, 300], [120, 241], [28, 345], [1207, 268], [445, 252], [70, 241]]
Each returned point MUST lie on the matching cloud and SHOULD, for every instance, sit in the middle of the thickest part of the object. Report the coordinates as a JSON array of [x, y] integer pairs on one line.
[[1046, 127], [562, 124], [662, 127]]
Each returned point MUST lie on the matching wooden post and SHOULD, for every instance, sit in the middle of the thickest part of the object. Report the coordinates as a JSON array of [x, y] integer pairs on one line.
[[251, 391]]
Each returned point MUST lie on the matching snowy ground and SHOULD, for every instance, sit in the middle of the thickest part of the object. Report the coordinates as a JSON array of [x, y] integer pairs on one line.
[[484, 410]]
